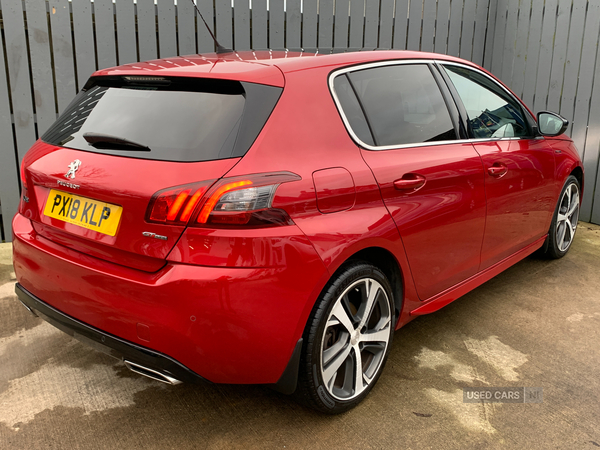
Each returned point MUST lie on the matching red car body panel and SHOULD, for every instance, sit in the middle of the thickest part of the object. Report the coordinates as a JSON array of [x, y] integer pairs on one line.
[[231, 304], [446, 216], [313, 144], [208, 318], [109, 178], [520, 203]]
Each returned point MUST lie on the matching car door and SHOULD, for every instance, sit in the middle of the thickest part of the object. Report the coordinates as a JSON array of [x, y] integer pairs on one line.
[[432, 184], [519, 167]]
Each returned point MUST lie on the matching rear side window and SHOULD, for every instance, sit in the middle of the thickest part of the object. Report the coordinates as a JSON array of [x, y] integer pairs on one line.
[[403, 105], [165, 119], [352, 109], [492, 113]]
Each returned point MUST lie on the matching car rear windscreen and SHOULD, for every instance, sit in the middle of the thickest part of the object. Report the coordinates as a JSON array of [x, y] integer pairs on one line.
[[175, 119]]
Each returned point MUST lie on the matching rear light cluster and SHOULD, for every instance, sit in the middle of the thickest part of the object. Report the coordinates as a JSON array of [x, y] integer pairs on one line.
[[23, 179], [24, 192], [230, 202], [175, 205]]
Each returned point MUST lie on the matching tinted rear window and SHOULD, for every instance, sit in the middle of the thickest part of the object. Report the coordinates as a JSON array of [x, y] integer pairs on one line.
[[403, 105], [177, 119], [352, 109]]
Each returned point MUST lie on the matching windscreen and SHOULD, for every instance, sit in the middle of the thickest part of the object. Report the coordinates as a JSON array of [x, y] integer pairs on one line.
[[175, 120]]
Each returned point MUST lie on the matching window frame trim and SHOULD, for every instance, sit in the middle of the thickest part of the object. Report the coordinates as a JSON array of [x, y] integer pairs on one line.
[[430, 62]]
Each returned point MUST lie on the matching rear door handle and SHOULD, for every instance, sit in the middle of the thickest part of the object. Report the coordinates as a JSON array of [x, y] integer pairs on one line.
[[410, 181], [497, 170]]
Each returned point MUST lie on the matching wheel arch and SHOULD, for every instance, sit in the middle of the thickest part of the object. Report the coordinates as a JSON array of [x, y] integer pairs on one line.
[[384, 260], [577, 172]]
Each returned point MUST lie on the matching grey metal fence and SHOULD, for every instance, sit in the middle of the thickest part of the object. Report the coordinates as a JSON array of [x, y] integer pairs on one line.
[[545, 50], [548, 53]]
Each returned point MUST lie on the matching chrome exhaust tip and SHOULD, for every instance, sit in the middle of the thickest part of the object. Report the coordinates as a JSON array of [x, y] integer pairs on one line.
[[151, 373], [28, 308]]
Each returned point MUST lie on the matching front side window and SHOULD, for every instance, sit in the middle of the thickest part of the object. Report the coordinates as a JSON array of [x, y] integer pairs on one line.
[[492, 113], [402, 104]]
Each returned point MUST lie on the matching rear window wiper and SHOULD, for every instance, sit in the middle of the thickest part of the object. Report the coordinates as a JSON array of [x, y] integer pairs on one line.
[[106, 141]]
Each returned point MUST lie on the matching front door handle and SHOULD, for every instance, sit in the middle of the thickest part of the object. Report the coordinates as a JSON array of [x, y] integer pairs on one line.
[[410, 181], [497, 170]]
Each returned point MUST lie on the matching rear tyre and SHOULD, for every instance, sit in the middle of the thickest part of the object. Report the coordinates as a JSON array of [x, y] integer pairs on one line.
[[348, 338], [564, 221]]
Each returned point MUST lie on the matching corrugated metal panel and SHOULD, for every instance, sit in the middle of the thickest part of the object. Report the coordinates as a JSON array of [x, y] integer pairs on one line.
[[371, 23], [83, 35], [442, 26], [224, 16], [415, 15], [549, 56], [39, 52], [105, 33], [428, 28], [276, 25], [309, 23], [62, 49], [126, 42], [205, 41], [545, 56], [357, 23], [468, 29], [533, 52], [480, 31], [146, 20], [571, 78], [186, 29], [294, 24], [18, 72], [386, 27], [260, 22], [510, 36], [586, 120], [9, 169], [520, 57], [241, 20], [167, 39], [340, 36], [559, 54]]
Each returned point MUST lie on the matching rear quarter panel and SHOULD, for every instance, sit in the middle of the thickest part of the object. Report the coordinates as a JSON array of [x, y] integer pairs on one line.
[[305, 134]]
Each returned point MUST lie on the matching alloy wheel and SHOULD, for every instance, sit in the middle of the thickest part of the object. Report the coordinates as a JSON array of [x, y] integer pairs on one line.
[[568, 214], [356, 336]]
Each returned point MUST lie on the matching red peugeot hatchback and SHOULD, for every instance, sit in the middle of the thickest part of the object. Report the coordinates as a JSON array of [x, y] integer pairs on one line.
[[272, 218]]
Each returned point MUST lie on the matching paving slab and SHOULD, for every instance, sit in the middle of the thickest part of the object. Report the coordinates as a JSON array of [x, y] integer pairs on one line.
[[535, 325]]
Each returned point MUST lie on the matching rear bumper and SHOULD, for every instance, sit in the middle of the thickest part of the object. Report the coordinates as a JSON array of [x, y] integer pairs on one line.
[[106, 343], [221, 324]]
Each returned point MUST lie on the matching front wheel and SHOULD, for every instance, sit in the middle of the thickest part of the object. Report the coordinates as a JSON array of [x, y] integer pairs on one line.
[[564, 221], [348, 338]]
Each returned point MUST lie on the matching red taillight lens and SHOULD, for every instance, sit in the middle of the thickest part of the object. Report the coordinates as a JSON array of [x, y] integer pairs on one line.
[[175, 205], [245, 201], [231, 202], [23, 180], [214, 198]]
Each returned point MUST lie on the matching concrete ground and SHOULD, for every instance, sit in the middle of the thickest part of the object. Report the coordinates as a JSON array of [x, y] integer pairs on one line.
[[535, 325]]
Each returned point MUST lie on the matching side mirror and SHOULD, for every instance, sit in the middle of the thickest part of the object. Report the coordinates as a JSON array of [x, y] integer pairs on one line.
[[551, 124]]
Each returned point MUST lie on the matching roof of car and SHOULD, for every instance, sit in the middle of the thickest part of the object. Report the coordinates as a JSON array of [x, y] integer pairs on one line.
[[262, 66]]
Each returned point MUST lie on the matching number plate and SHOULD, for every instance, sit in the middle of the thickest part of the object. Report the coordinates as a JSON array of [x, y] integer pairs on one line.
[[84, 212]]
